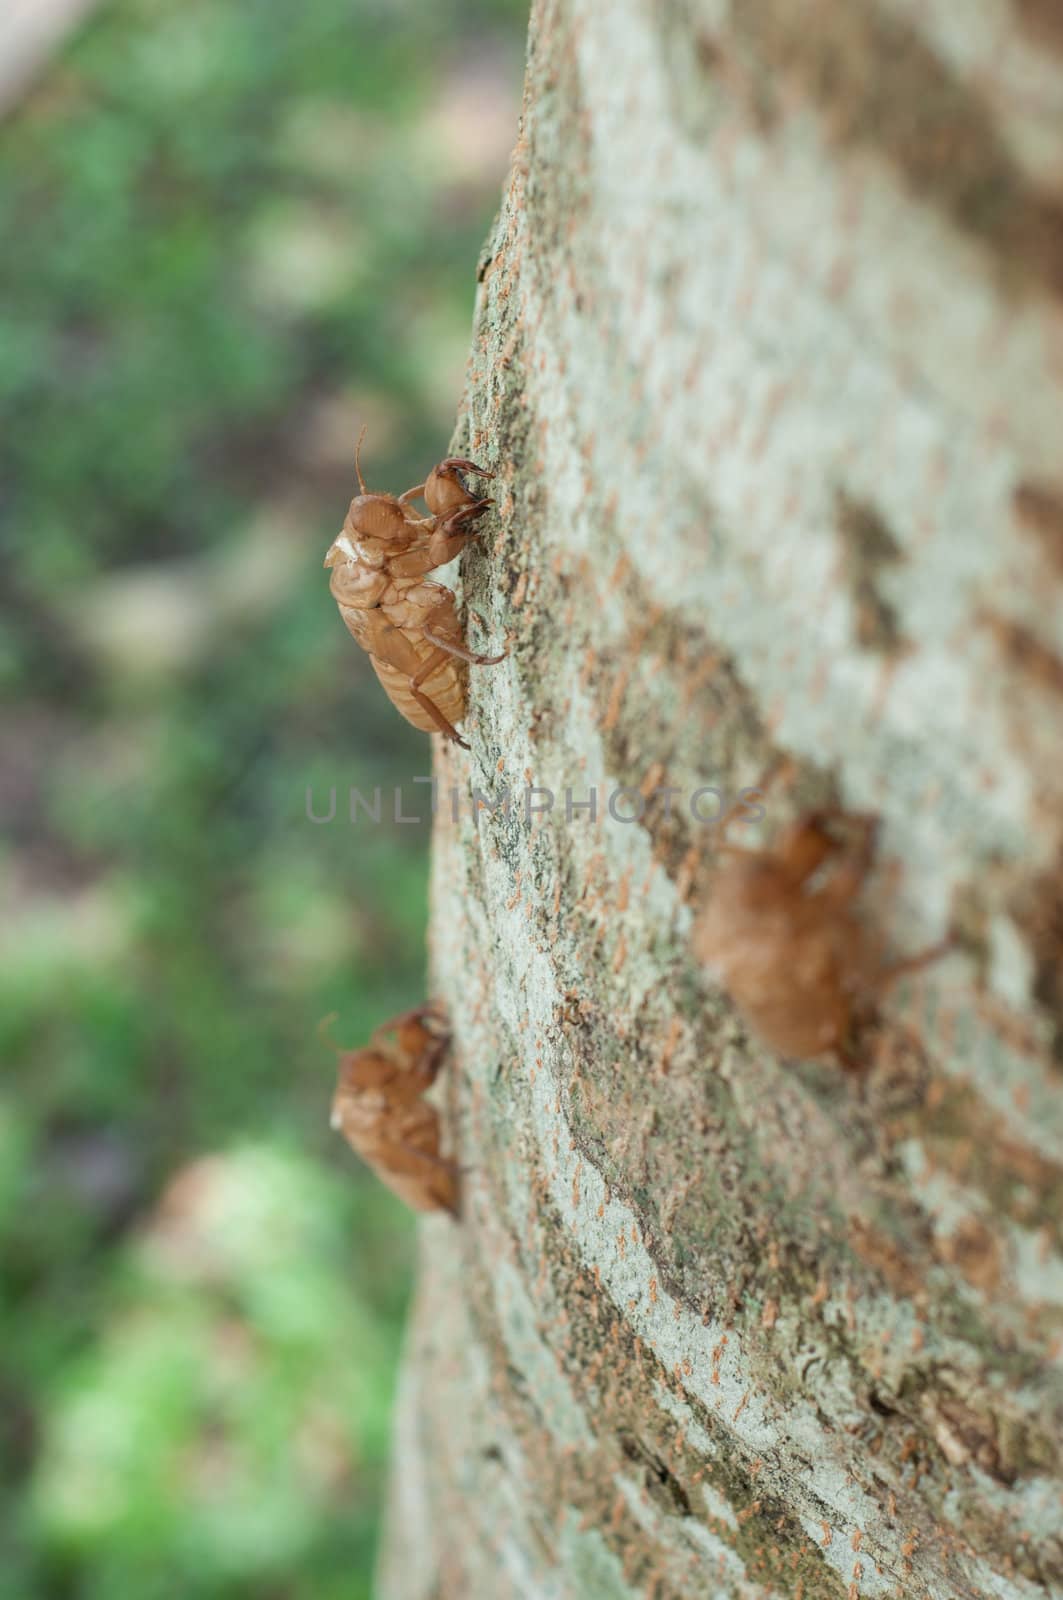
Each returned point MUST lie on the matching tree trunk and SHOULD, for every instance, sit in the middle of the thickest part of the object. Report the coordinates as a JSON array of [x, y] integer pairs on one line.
[[769, 359]]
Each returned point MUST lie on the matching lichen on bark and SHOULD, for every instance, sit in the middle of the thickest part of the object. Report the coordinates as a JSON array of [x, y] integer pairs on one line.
[[776, 416]]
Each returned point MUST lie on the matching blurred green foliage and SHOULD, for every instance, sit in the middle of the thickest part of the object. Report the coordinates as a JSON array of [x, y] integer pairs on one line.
[[230, 232]]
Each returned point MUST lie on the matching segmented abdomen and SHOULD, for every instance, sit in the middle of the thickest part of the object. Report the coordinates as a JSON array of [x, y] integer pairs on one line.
[[445, 688]]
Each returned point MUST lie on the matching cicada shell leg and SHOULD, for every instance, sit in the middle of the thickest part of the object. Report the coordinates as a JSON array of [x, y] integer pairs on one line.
[[435, 661]]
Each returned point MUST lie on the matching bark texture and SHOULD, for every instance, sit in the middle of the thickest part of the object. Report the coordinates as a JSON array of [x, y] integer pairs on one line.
[[769, 359]]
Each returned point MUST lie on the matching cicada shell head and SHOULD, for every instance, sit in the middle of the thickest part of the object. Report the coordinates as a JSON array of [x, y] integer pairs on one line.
[[446, 490]]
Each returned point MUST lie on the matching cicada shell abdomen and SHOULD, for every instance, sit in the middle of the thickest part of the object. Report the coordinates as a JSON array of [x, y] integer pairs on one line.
[[445, 687]]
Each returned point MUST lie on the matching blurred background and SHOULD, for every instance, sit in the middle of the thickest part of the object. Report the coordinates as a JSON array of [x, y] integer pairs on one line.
[[230, 233]]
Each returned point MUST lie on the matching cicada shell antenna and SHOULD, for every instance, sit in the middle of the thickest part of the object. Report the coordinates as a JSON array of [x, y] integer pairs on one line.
[[778, 771], [358, 459]]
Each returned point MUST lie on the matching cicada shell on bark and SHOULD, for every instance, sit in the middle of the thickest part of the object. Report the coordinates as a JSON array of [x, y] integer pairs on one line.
[[408, 625], [783, 930], [380, 1109]]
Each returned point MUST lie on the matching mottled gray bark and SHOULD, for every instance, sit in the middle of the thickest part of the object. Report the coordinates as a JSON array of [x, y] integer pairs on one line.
[[769, 358]]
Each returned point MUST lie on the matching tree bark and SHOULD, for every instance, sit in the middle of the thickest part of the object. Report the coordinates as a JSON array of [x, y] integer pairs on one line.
[[768, 357]]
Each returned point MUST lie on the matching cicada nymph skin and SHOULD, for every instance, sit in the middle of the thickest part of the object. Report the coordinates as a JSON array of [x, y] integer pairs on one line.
[[380, 1109], [408, 625], [783, 931]]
